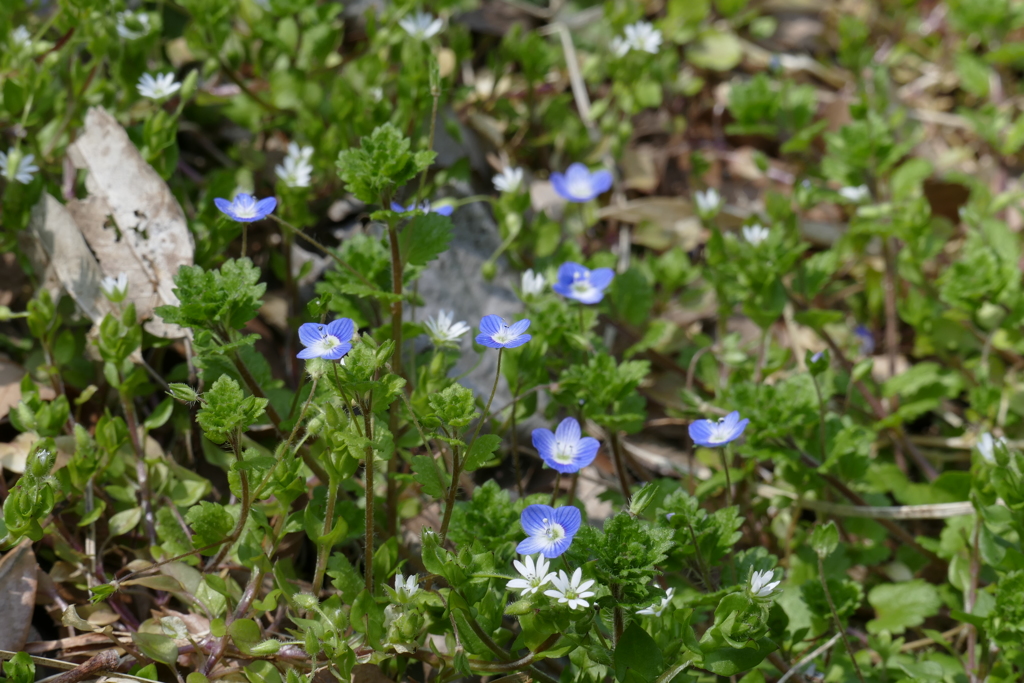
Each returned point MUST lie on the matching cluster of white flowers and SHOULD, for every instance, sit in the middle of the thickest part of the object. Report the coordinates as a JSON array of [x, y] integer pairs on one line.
[[641, 36], [158, 88], [421, 25], [296, 170], [16, 166], [572, 591]]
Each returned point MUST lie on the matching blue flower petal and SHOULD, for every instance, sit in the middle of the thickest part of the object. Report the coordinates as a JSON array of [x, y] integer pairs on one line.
[[397, 208], [531, 545], [444, 209], [518, 341], [338, 352], [586, 451], [562, 288], [224, 205], [559, 185], [700, 431], [533, 516], [568, 431], [740, 427], [491, 325], [601, 181], [568, 271], [544, 442], [306, 354], [601, 277], [265, 207], [342, 328], [488, 341], [556, 548], [517, 328], [569, 517]]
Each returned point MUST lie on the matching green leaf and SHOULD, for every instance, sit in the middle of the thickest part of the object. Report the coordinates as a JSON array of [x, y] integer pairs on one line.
[[425, 238], [159, 648], [637, 652], [158, 418], [383, 162], [716, 50], [20, 668], [633, 296], [210, 523], [228, 297], [428, 476], [902, 605], [227, 410], [825, 539], [728, 661], [125, 521], [245, 633], [455, 406], [481, 451]]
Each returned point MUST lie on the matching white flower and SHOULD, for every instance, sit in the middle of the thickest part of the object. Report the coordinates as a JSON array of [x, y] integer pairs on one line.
[[159, 88], [21, 37], [376, 93], [643, 37], [115, 289], [406, 588], [443, 330], [421, 25], [858, 194], [16, 166], [755, 234], [295, 170], [571, 591], [619, 46], [656, 610], [987, 446], [707, 202], [761, 584], [508, 180], [534, 575], [532, 283], [131, 26]]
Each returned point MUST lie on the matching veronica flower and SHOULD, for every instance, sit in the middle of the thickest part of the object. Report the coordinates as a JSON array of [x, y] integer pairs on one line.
[[761, 584], [755, 234], [578, 184], [571, 591], [115, 289], [532, 283], [867, 340], [549, 530], [708, 202], [495, 334], [987, 446], [508, 180], [710, 433], [295, 169], [656, 609], [858, 194], [132, 26], [245, 208], [643, 37], [421, 25], [582, 284], [443, 209], [534, 576], [565, 450], [17, 166], [443, 331], [159, 88], [330, 342], [406, 588]]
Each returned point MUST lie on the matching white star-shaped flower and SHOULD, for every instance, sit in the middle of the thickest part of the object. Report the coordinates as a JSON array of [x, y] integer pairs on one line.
[[656, 609], [115, 289], [755, 234], [422, 25], [296, 170], [643, 37], [132, 26], [159, 88], [571, 591], [761, 584], [858, 194], [532, 283], [509, 180], [16, 166], [406, 587], [707, 202], [535, 575], [443, 330]]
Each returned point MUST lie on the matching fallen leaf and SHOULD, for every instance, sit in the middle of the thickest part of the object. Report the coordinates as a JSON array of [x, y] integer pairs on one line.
[[10, 384], [640, 168], [13, 455], [661, 222], [17, 595]]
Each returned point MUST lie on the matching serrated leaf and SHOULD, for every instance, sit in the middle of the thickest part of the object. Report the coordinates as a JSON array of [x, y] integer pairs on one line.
[[425, 238], [428, 475], [481, 451]]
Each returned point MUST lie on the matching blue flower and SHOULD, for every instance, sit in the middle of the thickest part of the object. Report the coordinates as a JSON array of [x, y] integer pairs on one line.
[[578, 184], [443, 209], [330, 342], [580, 283], [245, 208], [550, 530], [711, 434], [565, 451], [867, 340], [494, 333]]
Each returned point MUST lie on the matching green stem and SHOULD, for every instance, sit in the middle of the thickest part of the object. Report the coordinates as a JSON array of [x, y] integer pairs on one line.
[[391, 507], [728, 478], [323, 547], [554, 489], [368, 481], [835, 617], [243, 515], [821, 419], [330, 252]]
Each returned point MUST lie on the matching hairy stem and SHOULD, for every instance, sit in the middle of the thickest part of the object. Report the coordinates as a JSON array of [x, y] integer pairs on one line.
[[323, 547], [728, 479]]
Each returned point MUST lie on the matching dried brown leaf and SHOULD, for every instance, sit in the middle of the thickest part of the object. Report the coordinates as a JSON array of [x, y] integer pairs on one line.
[[17, 595]]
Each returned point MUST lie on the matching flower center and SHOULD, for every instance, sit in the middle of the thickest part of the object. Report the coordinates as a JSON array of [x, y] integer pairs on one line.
[[579, 187], [719, 433], [329, 341], [564, 453], [503, 336], [553, 532], [245, 209]]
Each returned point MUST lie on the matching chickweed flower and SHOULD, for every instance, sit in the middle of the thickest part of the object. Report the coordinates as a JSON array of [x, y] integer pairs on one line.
[[21, 37], [535, 576], [495, 334], [549, 530], [159, 88], [422, 25], [755, 234], [708, 202], [578, 184], [295, 170], [115, 289], [761, 584], [132, 26], [509, 180], [710, 433], [571, 591], [443, 209], [406, 588], [16, 166], [619, 46], [443, 331], [582, 284], [565, 450], [532, 283], [330, 342], [987, 446], [245, 208], [656, 609], [858, 194], [643, 37]]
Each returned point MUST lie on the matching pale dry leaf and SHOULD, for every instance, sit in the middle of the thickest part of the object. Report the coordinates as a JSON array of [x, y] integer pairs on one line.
[[149, 236], [661, 222], [13, 455], [17, 595], [10, 384]]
